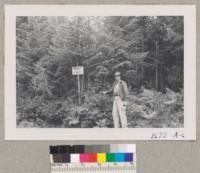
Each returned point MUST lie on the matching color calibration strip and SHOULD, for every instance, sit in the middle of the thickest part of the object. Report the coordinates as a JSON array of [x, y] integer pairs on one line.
[[93, 158]]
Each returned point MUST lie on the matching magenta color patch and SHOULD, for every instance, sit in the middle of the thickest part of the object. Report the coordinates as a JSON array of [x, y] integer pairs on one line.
[[84, 158]]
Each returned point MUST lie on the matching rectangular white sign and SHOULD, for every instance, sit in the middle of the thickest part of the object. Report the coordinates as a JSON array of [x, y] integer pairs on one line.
[[77, 70]]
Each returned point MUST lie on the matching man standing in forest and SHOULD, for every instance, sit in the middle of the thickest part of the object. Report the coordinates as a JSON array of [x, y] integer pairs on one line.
[[120, 93]]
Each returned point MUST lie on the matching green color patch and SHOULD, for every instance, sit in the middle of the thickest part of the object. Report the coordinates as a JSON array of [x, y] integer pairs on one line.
[[110, 157]]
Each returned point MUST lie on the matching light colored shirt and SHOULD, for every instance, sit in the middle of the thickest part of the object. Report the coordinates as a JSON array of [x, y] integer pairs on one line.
[[116, 89]]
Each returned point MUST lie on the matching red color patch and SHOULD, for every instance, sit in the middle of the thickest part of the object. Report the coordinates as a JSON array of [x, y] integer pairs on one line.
[[92, 157]]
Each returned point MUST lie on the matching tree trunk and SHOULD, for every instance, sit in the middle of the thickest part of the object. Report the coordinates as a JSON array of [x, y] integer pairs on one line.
[[156, 54], [156, 76]]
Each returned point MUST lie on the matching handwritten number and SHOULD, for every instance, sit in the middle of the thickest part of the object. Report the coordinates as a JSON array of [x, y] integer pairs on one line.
[[165, 135]]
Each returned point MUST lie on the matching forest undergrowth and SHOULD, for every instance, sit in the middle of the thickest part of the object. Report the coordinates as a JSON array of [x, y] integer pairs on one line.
[[146, 108]]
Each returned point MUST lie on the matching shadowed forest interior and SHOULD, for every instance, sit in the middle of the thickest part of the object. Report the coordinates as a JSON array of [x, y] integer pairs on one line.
[[147, 50]]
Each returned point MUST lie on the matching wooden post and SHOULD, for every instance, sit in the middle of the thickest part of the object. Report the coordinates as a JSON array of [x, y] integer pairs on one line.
[[79, 98], [78, 71]]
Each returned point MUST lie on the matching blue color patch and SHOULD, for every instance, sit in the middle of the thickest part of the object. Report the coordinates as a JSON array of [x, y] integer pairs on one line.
[[119, 157], [128, 157]]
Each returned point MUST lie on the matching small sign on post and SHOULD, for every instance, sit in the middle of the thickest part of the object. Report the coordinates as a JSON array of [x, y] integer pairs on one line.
[[78, 70]]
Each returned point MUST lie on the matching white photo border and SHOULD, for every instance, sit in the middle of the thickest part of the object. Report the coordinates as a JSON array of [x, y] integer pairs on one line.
[[188, 132]]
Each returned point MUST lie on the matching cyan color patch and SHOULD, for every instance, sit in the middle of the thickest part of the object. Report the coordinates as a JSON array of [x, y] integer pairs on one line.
[[119, 157]]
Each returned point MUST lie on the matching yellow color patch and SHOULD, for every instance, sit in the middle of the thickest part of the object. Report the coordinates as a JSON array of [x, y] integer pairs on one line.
[[101, 157]]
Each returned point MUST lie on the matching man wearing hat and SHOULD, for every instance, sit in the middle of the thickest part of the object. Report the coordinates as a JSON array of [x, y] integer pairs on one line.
[[120, 93]]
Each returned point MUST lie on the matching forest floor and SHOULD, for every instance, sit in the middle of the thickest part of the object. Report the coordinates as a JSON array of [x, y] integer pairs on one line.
[[146, 109]]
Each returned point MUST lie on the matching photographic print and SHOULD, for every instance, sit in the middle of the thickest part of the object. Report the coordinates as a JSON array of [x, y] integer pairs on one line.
[[111, 71], [142, 54]]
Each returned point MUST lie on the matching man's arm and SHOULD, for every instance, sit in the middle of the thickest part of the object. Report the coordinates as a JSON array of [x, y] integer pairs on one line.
[[109, 91], [126, 92]]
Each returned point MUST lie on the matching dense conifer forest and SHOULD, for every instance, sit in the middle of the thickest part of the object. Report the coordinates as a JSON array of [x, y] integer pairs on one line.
[[147, 50]]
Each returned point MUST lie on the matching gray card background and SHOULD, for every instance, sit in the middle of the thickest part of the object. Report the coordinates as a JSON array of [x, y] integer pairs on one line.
[[152, 156]]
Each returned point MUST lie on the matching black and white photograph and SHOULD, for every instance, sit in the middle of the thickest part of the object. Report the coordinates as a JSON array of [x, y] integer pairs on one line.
[[100, 71]]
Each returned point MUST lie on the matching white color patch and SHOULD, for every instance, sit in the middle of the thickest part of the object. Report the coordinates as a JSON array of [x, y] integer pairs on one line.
[[75, 158]]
